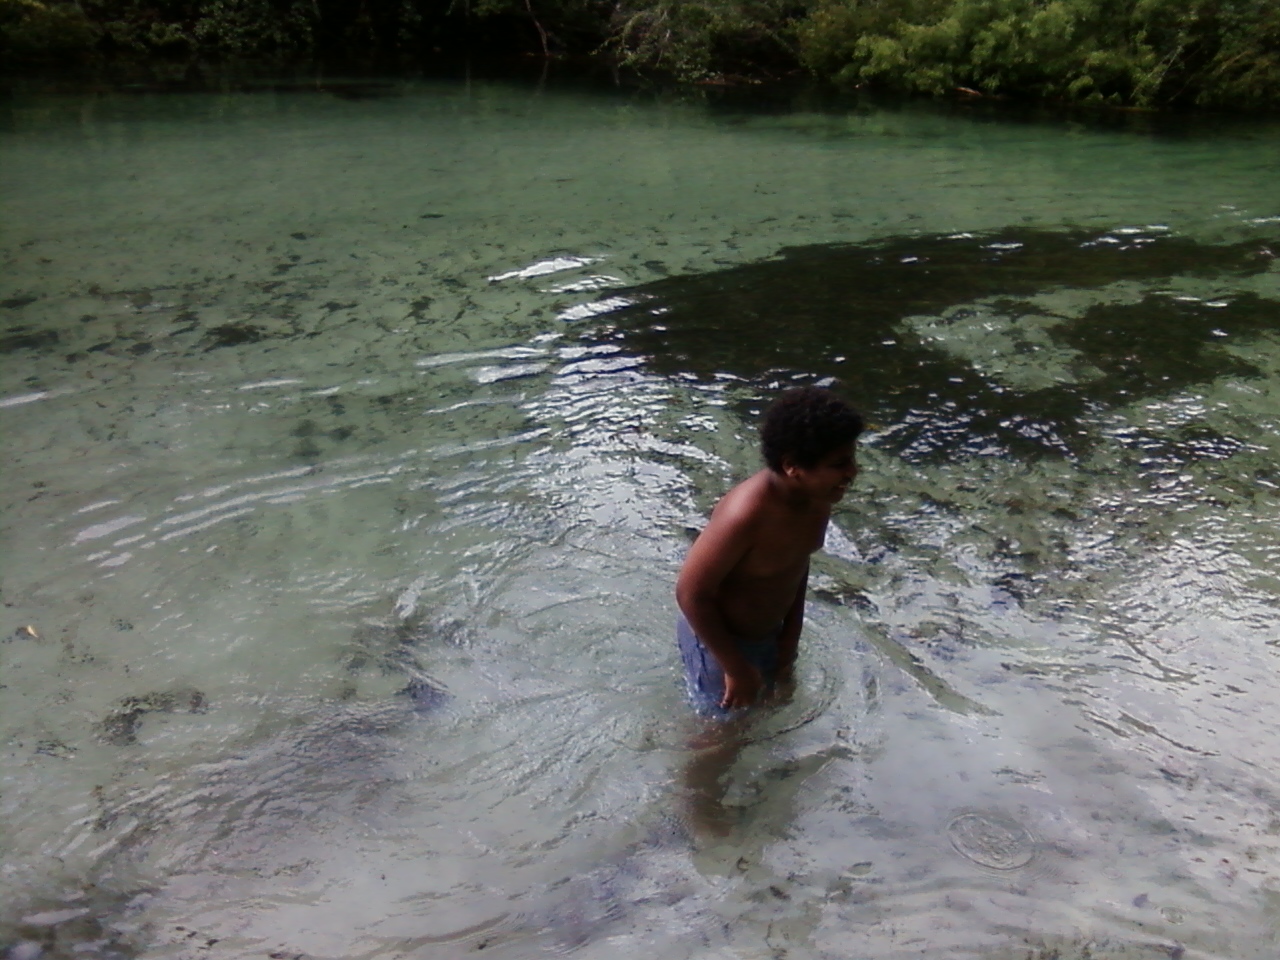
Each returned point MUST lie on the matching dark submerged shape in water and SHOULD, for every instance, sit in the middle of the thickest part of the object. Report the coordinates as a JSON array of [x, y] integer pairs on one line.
[[121, 726], [836, 311]]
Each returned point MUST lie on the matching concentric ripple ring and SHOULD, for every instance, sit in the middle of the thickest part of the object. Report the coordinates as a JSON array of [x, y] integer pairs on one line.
[[992, 840]]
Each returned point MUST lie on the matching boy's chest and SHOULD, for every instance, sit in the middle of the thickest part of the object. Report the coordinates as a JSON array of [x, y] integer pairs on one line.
[[784, 546]]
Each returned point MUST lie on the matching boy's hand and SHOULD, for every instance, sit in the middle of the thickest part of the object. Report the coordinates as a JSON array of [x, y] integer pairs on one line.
[[741, 689]]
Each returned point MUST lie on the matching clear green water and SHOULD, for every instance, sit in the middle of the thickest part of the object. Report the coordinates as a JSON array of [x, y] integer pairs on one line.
[[306, 398]]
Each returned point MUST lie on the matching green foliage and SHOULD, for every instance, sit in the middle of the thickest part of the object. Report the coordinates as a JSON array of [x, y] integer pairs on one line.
[[30, 30], [830, 35], [1124, 52], [694, 39], [1245, 68], [246, 27], [182, 27], [1143, 53], [264, 28]]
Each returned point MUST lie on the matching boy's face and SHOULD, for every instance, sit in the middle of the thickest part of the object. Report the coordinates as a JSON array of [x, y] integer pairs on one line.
[[829, 478]]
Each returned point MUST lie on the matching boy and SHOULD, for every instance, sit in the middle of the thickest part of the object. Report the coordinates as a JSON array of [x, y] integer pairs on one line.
[[741, 589]]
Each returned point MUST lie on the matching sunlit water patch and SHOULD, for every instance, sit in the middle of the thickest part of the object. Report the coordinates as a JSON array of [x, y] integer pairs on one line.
[[352, 446]]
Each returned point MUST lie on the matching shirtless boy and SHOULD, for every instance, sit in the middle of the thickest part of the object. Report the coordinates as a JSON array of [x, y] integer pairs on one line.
[[741, 589]]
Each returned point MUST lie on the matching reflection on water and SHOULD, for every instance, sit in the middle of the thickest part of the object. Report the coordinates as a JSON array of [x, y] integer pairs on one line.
[[353, 443]]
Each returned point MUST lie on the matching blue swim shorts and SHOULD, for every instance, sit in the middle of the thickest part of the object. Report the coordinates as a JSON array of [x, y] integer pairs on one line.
[[704, 676]]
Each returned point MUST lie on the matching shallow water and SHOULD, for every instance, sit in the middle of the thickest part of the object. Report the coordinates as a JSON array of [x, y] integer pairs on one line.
[[352, 446]]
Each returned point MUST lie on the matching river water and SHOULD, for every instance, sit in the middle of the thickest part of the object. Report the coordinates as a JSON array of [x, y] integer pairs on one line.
[[354, 435]]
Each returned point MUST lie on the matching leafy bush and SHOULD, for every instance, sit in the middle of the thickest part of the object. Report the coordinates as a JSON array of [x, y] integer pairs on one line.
[[1128, 52], [30, 30], [246, 27], [694, 39], [176, 27], [1245, 68]]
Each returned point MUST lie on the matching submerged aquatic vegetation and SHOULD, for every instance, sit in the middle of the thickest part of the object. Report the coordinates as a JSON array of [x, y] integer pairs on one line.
[[876, 316], [121, 726]]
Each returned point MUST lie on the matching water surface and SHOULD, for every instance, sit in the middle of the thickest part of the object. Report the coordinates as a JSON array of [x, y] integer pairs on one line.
[[352, 447]]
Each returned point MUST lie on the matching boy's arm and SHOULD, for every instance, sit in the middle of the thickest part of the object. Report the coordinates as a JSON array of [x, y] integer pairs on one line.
[[718, 549], [792, 623]]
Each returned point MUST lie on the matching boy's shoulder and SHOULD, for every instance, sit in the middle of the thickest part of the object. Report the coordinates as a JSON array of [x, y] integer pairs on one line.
[[747, 500]]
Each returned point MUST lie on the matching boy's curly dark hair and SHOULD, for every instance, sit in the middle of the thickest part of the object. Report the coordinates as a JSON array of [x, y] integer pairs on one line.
[[806, 424]]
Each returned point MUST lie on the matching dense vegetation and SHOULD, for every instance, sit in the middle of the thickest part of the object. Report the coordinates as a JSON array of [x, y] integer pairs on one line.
[[1220, 53], [1142, 53]]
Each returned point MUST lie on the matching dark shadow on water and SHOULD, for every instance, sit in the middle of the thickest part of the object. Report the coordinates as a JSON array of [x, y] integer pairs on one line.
[[837, 310]]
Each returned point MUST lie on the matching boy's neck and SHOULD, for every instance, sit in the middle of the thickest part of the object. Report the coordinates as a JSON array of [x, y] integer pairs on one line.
[[789, 491]]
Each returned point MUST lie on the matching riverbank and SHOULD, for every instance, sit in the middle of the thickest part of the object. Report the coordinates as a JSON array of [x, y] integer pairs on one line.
[[1154, 54]]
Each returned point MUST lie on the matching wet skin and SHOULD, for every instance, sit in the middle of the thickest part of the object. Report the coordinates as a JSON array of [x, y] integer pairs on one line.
[[746, 574]]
